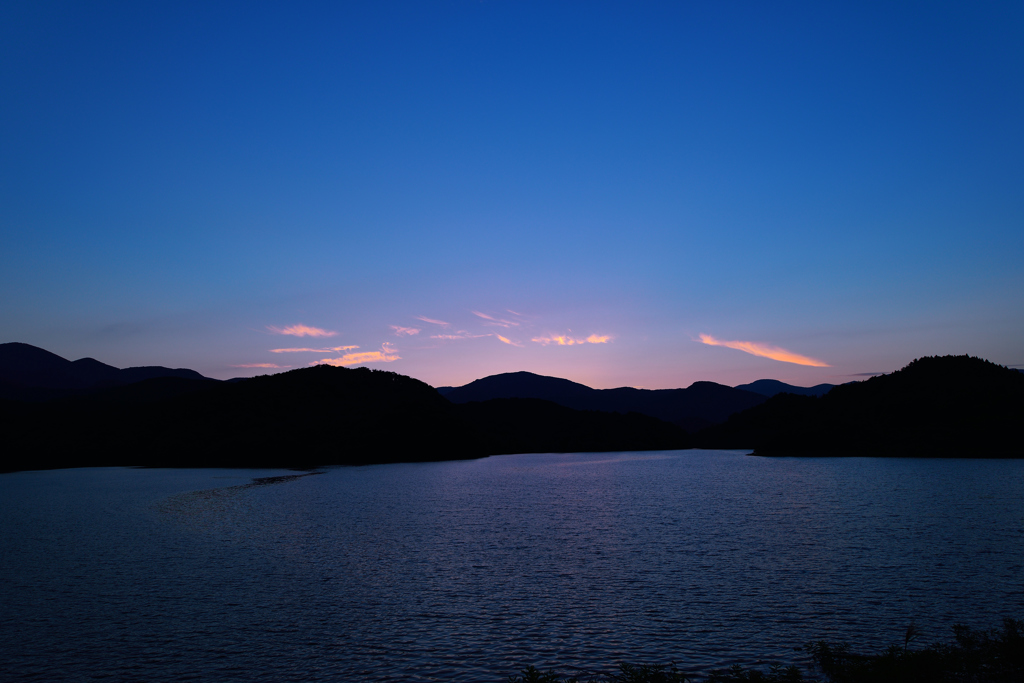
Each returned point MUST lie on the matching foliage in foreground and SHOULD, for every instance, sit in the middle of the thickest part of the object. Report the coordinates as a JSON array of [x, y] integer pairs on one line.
[[974, 656]]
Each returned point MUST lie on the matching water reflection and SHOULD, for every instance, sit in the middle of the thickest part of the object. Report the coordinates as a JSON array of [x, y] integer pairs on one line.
[[464, 571]]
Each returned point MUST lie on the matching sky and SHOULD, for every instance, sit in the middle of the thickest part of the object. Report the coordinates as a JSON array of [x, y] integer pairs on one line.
[[621, 194]]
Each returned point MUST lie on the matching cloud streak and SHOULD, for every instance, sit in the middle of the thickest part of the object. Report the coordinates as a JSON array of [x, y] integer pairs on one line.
[[496, 322], [386, 354], [305, 350], [301, 330], [461, 334], [564, 340], [407, 331], [764, 351], [431, 320], [508, 341]]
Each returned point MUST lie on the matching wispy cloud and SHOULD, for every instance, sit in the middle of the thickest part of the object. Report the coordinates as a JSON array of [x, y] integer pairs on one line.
[[461, 334], [304, 350], [508, 341], [496, 322], [301, 331], [260, 365], [764, 351], [407, 331], [431, 320], [386, 354], [564, 340]]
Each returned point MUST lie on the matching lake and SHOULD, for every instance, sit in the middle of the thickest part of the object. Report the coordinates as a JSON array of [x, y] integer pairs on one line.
[[467, 571]]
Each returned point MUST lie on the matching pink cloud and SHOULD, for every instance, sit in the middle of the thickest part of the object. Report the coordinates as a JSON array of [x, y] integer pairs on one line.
[[431, 320], [565, 340], [386, 354], [764, 351], [301, 331], [399, 330], [260, 365], [304, 350]]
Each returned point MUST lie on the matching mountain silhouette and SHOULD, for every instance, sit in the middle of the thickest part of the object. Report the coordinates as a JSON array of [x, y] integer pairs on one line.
[[771, 387], [700, 405], [949, 406], [303, 418], [30, 373]]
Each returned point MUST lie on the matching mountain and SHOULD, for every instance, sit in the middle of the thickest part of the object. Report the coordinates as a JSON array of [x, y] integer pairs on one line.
[[307, 417], [30, 373], [949, 406], [770, 387], [698, 406]]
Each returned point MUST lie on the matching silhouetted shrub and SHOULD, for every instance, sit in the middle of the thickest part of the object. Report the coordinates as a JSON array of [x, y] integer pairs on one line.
[[975, 656]]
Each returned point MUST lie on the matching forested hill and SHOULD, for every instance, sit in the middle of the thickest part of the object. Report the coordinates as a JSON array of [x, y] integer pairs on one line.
[[313, 416], [949, 406]]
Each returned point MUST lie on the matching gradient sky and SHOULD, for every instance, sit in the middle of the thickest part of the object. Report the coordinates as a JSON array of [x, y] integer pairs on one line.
[[621, 195]]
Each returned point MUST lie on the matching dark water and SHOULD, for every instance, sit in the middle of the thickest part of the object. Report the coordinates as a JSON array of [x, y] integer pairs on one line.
[[466, 571]]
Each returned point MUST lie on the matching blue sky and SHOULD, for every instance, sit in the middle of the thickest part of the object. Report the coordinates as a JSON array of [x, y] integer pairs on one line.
[[181, 183]]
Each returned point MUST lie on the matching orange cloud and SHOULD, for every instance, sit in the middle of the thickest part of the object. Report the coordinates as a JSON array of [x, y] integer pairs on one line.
[[507, 341], [301, 331], [399, 330], [431, 320], [304, 350], [563, 340], [764, 351], [385, 355], [260, 365]]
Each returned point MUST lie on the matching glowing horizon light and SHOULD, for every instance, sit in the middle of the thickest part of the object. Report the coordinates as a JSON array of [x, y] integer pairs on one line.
[[261, 365], [301, 330], [386, 354], [765, 351], [565, 340]]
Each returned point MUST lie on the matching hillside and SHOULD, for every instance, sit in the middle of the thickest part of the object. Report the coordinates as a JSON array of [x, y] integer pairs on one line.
[[950, 406], [313, 416]]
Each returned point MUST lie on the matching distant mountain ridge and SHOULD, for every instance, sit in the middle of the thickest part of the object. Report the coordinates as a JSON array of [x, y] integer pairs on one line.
[[59, 413], [700, 405], [30, 373], [771, 387]]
